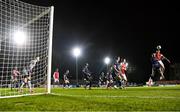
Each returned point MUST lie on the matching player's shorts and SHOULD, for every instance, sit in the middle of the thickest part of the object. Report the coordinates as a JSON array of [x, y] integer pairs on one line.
[[155, 64], [161, 63], [66, 81], [14, 79], [110, 81], [56, 80], [123, 76]]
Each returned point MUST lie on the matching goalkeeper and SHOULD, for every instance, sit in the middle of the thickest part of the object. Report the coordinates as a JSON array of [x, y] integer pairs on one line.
[[33, 64], [27, 72]]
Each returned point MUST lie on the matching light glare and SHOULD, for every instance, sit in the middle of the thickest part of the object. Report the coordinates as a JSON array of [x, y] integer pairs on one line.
[[19, 37], [107, 60], [76, 52]]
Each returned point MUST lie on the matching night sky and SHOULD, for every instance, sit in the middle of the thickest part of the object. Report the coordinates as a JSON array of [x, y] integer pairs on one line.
[[129, 29]]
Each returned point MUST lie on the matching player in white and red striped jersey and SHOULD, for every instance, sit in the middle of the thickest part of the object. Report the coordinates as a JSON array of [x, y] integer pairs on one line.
[[157, 63], [56, 76], [123, 69], [15, 74], [14, 77]]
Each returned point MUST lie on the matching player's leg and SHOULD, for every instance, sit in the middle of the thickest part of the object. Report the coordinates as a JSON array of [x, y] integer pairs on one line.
[[55, 82], [68, 85], [152, 73], [21, 87], [12, 84], [99, 83], [124, 80], [90, 84], [107, 84], [120, 81], [64, 84], [162, 66], [161, 73], [29, 85], [115, 81], [16, 84], [121, 84], [85, 83]]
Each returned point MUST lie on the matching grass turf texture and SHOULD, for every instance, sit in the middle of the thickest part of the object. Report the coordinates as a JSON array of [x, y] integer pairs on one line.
[[78, 99]]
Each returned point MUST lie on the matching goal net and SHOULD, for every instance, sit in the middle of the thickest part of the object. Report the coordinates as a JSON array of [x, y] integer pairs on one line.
[[25, 48]]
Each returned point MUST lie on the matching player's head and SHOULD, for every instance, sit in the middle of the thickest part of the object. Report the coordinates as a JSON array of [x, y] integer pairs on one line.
[[57, 69], [118, 58], [124, 60], [67, 71], [15, 68], [121, 60], [86, 64], [24, 68]]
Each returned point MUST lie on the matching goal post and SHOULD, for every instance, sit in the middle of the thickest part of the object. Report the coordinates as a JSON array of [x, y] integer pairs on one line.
[[50, 50], [26, 33]]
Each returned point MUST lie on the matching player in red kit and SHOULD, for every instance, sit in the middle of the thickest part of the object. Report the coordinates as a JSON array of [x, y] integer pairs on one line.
[[157, 63], [56, 76], [123, 68], [14, 77]]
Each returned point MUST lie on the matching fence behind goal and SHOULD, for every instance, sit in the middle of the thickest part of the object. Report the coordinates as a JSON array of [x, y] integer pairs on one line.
[[25, 48]]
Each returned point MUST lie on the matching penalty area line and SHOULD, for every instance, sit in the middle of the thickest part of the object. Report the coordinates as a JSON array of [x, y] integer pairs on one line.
[[112, 96]]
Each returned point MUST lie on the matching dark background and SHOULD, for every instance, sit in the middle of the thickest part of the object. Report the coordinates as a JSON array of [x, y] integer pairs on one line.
[[130, 29]]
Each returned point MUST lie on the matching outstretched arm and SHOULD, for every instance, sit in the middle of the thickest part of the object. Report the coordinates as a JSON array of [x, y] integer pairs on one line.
[[167, 59], [18, 72]]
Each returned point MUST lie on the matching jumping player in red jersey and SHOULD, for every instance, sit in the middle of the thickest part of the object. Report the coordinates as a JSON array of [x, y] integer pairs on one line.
[[157, 63]]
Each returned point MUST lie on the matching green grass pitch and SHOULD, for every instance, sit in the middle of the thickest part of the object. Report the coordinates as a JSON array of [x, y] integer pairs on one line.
[[98, 99]]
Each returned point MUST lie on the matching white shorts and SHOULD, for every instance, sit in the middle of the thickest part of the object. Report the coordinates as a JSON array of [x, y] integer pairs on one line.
[[66, 81], [123, 76], [56, 80], [161, 63]]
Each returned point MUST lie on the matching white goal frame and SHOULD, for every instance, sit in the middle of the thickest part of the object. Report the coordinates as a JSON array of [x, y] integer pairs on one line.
[[49, 60]]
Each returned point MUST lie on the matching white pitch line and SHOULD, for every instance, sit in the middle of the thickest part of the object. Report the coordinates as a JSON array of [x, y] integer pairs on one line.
[[109, 96], [15, 96]]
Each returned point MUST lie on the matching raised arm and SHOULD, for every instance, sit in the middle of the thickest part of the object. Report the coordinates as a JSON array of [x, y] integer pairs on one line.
[[166, 59]]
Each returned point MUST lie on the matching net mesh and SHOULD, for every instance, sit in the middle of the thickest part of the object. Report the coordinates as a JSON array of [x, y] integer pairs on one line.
[[24, 34]]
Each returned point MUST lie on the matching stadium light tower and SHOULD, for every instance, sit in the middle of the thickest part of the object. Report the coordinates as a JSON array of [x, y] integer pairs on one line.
[[76, 53], [19, 37], [107, 61]]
